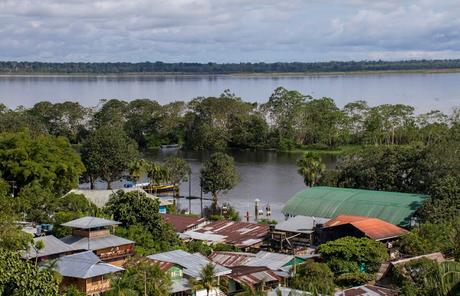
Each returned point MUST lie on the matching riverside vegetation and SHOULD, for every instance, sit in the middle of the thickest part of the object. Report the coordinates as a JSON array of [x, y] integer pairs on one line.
[[396, 150]]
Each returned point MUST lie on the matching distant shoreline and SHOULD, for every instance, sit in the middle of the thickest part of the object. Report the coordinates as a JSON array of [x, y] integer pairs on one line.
[[247, 74]]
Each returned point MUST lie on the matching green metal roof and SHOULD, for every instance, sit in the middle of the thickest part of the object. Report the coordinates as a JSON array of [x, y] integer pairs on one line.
[[329, 202]]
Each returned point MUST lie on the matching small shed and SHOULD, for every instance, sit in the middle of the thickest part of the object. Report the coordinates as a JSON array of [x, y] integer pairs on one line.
[[295, 233]]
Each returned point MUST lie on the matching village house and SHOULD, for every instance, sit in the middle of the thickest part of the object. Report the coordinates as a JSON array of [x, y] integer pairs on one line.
[[255, 277], [367, 290], [295, 234], [92, 233], [101, 197], [87, 272], [329, 202], [243, 235], [359, 226], [52, 249], [182, 223], [185, 266], [280, 264]]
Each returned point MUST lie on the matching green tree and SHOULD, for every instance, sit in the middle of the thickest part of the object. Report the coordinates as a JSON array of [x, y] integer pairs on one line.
[[47, 160], [433, 237], [424, 277], [36, 203], [316, 278], [132, 208], [107, 153], [19, 277], [136, 169], [311, 168], [350, 256], [218, 173], [141, 277], [157, 172], [285, 109], [178, 170], [444, 202], [207, 279]]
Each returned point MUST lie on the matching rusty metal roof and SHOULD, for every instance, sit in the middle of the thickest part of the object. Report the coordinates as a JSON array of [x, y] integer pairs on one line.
[[164, 266], [238, 234], [253, 275], [183, 223], [230, 259], [372, 227]]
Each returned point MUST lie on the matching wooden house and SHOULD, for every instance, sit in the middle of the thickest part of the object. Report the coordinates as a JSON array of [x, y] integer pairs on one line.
[[87, 272], [92, 233]]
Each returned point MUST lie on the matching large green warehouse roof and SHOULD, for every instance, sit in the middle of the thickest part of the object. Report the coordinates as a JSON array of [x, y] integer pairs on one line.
[[329, 202]]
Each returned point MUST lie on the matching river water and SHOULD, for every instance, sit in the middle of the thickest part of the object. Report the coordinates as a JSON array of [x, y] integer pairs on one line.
[[269, 176], [425, 91]]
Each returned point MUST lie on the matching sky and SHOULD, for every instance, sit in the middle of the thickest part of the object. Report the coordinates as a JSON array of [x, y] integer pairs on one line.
[[228, 30]]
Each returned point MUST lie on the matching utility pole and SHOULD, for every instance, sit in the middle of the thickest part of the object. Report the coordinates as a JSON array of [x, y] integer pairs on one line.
[[190, 192], [201, 200]]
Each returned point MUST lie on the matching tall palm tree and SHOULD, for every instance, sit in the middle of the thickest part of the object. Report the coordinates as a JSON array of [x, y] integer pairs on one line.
[[207, 279], [311, 168], [446, 279], [157, 173], [136, 169]]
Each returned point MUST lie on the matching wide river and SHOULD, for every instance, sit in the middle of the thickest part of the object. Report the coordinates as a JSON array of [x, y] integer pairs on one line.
[[268, 176]]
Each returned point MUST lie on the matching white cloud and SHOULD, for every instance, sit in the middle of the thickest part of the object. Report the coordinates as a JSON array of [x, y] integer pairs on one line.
[[227, 30]]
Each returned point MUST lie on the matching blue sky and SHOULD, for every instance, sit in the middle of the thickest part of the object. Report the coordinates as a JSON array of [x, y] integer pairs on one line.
[[228, 30]]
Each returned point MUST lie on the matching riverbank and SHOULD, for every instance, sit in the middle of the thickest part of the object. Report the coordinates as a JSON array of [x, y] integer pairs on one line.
[[236, 74], [340, 150]]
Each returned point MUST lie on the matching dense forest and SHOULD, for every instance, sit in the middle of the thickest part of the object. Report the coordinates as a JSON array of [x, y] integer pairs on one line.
[[288, 120], [13, 67]]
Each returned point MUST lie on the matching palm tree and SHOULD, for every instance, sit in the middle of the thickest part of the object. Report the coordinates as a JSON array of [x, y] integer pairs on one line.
[[51, 266], [446, 279], [311, 168], [156, 172], [136, 169], [207, 279]]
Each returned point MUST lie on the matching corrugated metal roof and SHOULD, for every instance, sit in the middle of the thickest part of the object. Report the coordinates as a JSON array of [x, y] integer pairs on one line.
[[192, 263], [433, 256], [100, 197], [367, 290], [84, 265], [239, 234], [283, 291], [328, 202], [253, 275], [180, 285], [372, 227], [53, 246], [95, 243], [271, 260], [90, 222], [230, 259], [182, 223], [300, 224]]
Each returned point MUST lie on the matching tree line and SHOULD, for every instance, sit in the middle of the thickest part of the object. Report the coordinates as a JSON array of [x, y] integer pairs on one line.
[[288, 120], [14, 67]]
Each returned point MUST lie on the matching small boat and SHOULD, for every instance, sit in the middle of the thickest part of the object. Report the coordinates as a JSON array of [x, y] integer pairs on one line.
[[156, 189], [170, 147]]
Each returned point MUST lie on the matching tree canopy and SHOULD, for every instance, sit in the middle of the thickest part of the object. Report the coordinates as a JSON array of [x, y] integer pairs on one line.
[[217, 174], [45, 160]]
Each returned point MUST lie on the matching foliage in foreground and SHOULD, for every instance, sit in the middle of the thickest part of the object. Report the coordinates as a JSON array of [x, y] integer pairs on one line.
[[316, 278], [424, 277], [433, 237], [353, 260], [19, 277]]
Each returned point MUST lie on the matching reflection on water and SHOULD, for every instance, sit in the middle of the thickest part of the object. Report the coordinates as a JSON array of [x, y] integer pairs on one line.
[[267, 175]]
